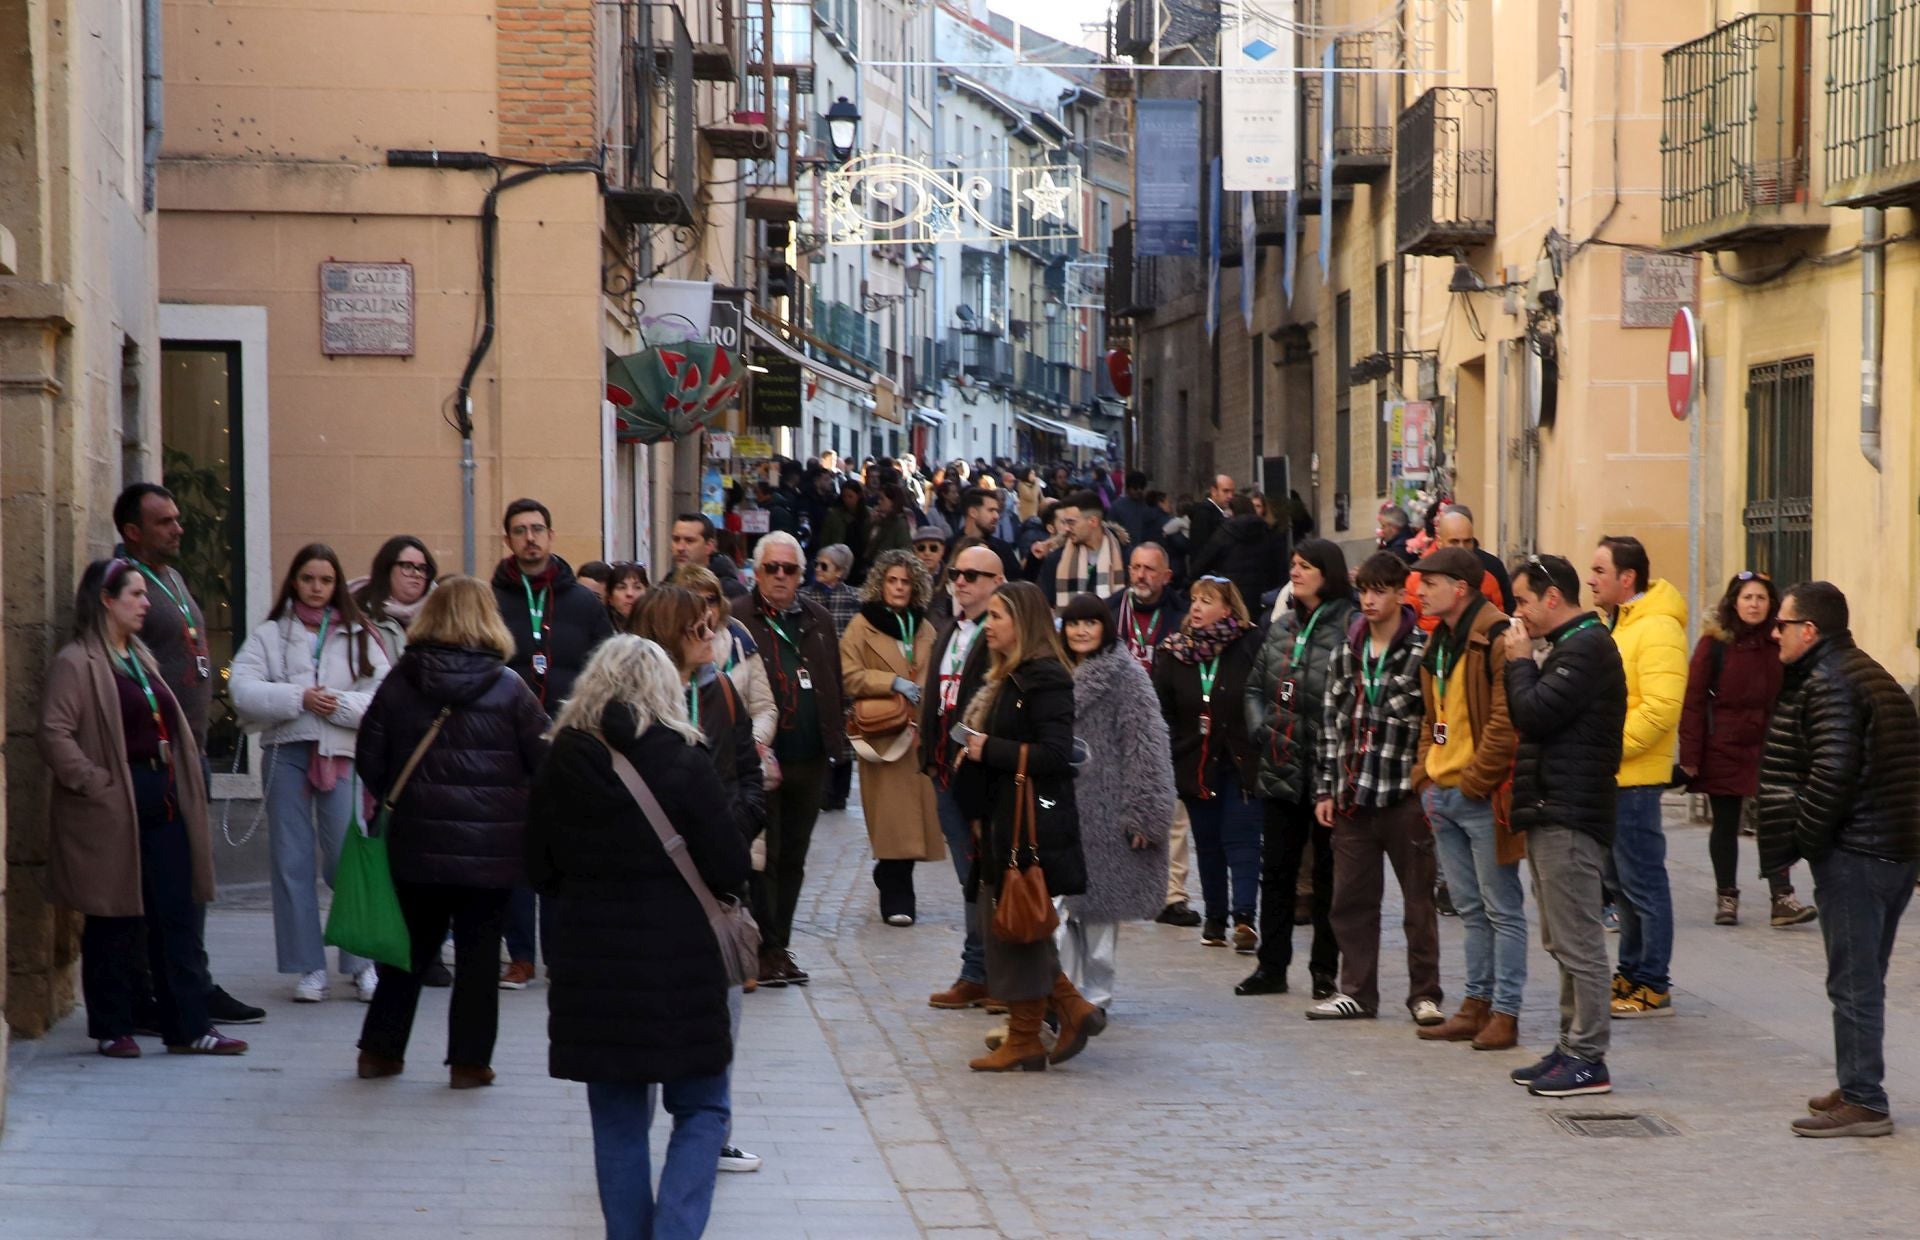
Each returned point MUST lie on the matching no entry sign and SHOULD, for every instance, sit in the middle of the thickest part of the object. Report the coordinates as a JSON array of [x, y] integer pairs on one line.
[[1683, 362]]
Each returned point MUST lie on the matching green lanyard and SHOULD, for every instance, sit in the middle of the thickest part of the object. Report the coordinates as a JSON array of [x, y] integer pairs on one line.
[[319, 643], [1208, 672], [537, 611], [138, 675], [1140, 635], [774, 624], [693, 703], [909, 625], [186, 613], [1300, 642], [1371, 671], [1440, 664], [1588, 623]]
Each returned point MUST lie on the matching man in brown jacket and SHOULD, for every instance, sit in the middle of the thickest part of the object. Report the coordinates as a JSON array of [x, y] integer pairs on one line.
[[1465, 764], [801, 649]]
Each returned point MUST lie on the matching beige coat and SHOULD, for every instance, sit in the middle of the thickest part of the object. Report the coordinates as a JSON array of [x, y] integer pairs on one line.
[[93, 829], [903, 822]]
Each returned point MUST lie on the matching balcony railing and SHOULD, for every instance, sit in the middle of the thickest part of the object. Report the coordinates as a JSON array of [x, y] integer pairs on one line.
[[1444, 187], [656, 116], [849, 331], [985, 360], [1873, 101], [1312, 114], [1734, 125], [1363, 112]]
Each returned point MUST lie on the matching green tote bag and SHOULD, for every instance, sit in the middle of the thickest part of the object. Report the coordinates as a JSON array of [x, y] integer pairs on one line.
[[365, 918]]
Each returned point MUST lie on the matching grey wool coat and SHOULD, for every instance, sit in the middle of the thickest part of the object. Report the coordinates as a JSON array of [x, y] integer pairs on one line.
[[1125, 787]]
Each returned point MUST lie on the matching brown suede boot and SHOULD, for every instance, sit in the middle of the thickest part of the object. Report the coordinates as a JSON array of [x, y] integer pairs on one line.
[[1022, 1051], [1463, 1026], [466, 1077], [1500, 1033], [373, 1066], [1079, 1020], [962, 994]]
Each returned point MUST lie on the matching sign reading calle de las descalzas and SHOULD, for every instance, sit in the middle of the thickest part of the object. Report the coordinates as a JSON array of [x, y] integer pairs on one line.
[[366, 309]]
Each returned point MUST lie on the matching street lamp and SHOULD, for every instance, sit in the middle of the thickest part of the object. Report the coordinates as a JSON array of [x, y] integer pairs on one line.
[[843, 120]]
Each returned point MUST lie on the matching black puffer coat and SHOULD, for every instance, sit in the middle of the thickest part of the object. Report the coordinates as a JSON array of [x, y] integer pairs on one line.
[[1287, 734], [1034, 707], [1247, 552], [1570, 714], [575, 622], [461, 819], [1842, 763], [638, 990]]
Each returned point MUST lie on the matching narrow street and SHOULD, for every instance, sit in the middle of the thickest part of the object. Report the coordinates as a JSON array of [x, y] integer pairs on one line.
[[1197, 1114]]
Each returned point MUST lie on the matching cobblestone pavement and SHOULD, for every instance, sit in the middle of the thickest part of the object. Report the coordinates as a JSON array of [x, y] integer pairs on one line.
[[1197, 1114]]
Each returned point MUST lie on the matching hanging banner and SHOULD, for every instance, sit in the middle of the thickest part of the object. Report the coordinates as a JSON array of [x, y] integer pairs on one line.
[[1213, 246], [671, 311], [1257, 93], [1249, 260], [1166, 178]]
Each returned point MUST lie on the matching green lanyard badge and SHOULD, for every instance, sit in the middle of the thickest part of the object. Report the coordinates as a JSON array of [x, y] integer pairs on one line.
[[138, 674], [202, 667], [537, 616], [693, 704], [1209, 672], [1299, 649], [909, 625], [1372, 671], [320, 643]]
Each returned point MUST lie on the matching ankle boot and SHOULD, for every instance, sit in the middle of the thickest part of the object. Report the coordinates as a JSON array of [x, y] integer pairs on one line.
[[1079, 1020], [373, 1066], [1462, 1026], [1022, 1051], [1726, 907], [1500, 1033], [464, 1076]]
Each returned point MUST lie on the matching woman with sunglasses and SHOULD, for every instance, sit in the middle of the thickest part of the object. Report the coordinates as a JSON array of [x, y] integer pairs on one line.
[[1732, 683], [127, 821], [734, 651], [391, 595]]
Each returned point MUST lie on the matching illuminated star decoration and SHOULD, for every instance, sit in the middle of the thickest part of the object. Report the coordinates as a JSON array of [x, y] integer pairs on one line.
[[942, 221], [1048, 199]]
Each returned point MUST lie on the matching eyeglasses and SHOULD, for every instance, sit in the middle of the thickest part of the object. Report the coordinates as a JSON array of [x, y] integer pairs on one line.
[[410, 568], [971, 575], [1781, 624], [526, 531], [779, 569], [1752, 575]]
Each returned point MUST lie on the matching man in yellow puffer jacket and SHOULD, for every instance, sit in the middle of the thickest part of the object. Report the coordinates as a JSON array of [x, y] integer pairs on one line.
[[1649, 622]]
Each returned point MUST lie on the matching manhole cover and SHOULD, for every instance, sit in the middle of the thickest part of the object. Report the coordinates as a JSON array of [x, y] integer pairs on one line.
[[1613, 1124]]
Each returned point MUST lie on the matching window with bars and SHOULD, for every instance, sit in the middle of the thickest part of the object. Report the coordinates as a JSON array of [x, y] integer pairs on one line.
[[1779, 510]]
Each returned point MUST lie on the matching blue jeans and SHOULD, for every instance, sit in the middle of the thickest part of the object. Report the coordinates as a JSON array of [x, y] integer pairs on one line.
[[953, 825], [1639, 871], [1226, 845], [1485, 893], [622, 1114], [1861, 899], [305, 829]]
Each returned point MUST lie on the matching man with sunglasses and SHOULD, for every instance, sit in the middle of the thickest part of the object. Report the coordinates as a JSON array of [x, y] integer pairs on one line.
[[801, 647], [930, 548], [1840, 786], [959, 665]]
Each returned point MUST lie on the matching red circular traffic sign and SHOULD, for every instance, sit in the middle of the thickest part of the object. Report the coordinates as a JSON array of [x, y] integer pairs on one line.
[[1683, 362]]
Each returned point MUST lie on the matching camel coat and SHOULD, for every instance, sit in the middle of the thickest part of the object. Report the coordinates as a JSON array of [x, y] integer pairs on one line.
[[93, 829], [903, 822]]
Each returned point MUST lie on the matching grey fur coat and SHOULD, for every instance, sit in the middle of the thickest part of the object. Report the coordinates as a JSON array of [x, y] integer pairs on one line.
[[1124, 788]]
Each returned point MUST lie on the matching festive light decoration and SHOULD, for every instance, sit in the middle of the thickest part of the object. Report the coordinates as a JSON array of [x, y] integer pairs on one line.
[[889, 199]]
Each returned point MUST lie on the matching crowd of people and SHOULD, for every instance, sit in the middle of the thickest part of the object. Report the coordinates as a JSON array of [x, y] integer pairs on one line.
[[1074, 693]]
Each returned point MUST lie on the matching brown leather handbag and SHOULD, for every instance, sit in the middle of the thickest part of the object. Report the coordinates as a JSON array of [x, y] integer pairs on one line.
[[1024, 913], [880, 716]]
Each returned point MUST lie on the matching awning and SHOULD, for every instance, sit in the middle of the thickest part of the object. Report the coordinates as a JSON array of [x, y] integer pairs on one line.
[[1075, 437], [828, 374], [932, 417]]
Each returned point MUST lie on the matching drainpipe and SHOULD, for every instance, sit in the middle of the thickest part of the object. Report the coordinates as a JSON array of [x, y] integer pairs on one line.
[[1873, 295], [151, 79]]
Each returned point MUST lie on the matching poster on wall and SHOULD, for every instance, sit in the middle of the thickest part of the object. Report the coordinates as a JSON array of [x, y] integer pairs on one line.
[[1167, 171], [1257, 92], [1409, 427]]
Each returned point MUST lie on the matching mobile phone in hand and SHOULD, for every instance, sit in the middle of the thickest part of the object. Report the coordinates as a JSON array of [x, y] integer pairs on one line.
[[960, 733]]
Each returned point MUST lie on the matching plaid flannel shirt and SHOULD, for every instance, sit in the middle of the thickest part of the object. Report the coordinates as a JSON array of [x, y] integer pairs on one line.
[[1382, 774], [842, 602]]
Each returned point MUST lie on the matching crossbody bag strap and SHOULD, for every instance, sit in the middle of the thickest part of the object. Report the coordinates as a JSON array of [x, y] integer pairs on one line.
[[670, 839], [413, 760], [1024, 810]]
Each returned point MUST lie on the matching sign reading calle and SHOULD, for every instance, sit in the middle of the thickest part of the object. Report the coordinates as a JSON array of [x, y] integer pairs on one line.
[[366, 309]]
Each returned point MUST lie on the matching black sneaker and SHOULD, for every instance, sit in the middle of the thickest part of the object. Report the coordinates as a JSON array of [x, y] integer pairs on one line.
[[437, 975], [1323, 987], [1443, 900], [790, 970], [224, 1009], [1571, 1078], [1179, 913], [1214, 933], [1263, 981], [1533, 1072]]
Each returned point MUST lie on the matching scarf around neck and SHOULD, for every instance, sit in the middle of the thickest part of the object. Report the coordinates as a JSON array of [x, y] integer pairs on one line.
[[313, 616], [1205, 642]]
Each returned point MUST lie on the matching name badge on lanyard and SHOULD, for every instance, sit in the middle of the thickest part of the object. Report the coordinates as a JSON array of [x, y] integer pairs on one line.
[[539, 664], [1286, 690], [1440, 732], [806, 680], [1366, 740]]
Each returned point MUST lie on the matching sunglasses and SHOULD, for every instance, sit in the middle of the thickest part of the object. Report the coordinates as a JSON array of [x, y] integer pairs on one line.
[[824, 566], [1752, 575], [970, 575], [930, 546], [1781, 624], [781, 570]]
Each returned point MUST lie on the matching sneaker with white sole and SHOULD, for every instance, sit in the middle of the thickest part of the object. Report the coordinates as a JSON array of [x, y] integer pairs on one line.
[[311, 988], [365, 982], [733, 1158], [1427, 1012], [1572, 1078], [1338, 1007]]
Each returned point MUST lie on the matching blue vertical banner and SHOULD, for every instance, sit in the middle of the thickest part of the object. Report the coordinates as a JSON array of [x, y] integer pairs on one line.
[[1249, 260], [1328, 100], [1166, 178], [1293, 243], [1213, 246]]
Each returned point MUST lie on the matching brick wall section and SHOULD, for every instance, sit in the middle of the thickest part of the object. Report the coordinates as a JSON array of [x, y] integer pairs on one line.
[[544, 50]]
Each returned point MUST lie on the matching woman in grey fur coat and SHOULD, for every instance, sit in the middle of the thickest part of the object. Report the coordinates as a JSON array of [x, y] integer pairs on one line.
[[1126, 796]]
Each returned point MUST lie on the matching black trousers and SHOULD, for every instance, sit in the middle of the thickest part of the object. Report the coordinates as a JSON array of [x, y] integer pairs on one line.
[[1290, 829], [840, 785], [473, 1015], [792, 809], [111, 971], [1723, 847]]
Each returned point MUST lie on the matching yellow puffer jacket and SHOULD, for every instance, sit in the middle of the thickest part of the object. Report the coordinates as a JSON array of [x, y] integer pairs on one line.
[[1651, 632]]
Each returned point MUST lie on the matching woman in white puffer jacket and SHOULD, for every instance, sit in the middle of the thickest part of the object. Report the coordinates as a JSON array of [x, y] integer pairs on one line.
[[303, 680]]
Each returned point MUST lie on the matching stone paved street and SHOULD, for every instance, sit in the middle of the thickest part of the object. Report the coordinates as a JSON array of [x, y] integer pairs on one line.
[[1197, 1114]]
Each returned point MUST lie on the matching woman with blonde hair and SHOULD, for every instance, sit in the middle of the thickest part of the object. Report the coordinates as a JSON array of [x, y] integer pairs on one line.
[[1019, 745], [883, 663], [638, 987], [456, 835]]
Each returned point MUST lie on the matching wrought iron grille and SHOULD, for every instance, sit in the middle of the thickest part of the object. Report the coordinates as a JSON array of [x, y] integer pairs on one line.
[[656, 114], [1444, 186], [1735, 116], [1873, 100], [1779, 511], [1363, 111]]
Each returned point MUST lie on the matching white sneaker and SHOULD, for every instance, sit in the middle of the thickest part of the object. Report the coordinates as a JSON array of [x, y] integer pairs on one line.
[[1338, 1007], [1427, 1012], [733, 1158], [312, 988], [365, 982]]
